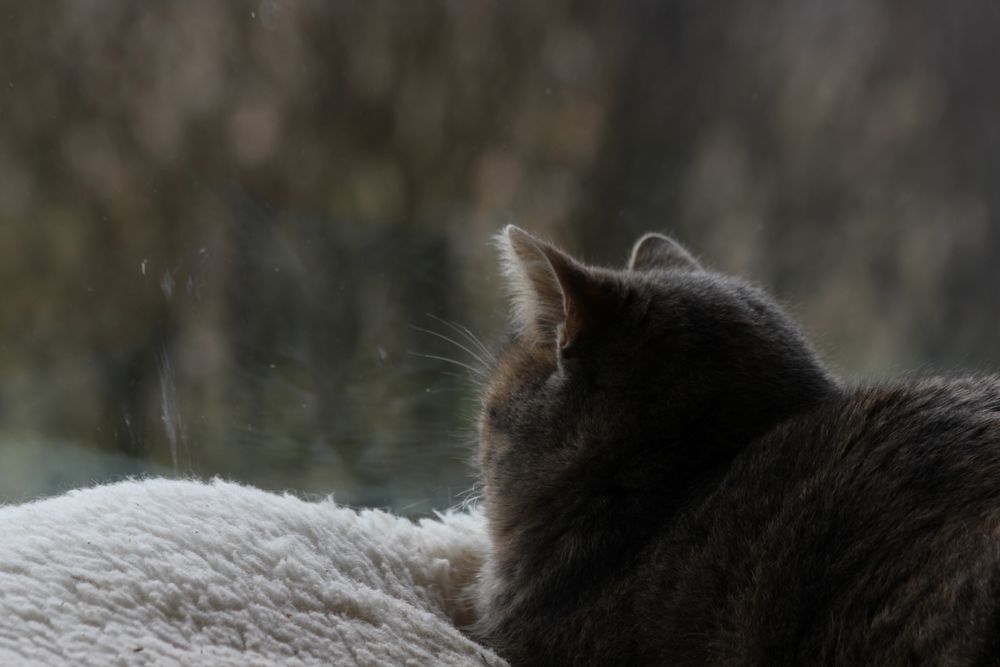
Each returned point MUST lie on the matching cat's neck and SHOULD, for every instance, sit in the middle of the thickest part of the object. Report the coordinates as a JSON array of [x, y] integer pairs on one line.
[[607, 514]]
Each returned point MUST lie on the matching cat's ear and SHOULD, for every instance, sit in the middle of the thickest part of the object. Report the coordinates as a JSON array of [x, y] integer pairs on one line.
[[554, 296], [656, 251]]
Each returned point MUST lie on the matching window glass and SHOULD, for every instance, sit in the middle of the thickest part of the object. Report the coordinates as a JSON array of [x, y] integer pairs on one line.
[[235, 237]]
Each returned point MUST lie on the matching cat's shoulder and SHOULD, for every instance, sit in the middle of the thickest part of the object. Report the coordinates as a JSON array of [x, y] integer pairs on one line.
[[881, 437], [903, 404], [917, 406]]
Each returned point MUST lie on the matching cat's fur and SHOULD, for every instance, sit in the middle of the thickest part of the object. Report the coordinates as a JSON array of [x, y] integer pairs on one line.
[[671, 476]]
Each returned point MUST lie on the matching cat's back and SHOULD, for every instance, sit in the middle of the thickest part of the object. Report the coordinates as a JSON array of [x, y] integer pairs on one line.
[[867, 531]]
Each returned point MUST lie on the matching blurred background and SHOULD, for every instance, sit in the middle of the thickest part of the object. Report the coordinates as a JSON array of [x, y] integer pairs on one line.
[[225, 226]]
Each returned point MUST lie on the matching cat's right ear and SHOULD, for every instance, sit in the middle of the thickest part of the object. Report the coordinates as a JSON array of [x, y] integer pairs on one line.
[[553, 296], [656, 251]]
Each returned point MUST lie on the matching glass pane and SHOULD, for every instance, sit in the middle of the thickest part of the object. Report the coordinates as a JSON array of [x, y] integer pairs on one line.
[[235, 236]]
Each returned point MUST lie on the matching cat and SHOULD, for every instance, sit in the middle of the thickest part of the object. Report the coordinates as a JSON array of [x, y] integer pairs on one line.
[[671, 476]]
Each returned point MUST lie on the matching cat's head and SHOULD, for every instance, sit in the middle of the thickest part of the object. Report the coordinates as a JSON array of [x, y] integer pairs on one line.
[[621, 390]]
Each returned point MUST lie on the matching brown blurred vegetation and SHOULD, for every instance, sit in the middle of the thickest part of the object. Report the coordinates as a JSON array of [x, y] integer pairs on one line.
[[221, 222]]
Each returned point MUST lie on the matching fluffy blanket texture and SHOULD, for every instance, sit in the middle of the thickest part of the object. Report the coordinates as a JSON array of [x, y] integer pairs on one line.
[[166, 572]]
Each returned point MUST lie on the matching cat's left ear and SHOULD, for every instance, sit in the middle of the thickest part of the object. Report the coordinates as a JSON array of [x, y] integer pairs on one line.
[[554, 296], [656, 251]]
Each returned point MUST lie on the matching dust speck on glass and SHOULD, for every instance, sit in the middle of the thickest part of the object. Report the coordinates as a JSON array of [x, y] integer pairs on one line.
[[253, 239]]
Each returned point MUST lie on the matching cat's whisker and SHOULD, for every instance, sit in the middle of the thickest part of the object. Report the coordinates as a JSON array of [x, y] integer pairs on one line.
[[470, 497], [452, 341], [474, 383], [478, 372], [467, 333], [462, 330]]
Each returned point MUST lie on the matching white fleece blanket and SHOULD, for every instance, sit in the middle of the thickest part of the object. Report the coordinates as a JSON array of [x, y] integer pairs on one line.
[[162, 572]]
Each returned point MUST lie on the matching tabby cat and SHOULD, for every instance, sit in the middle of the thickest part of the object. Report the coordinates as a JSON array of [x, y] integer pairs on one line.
[[672, 477]]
